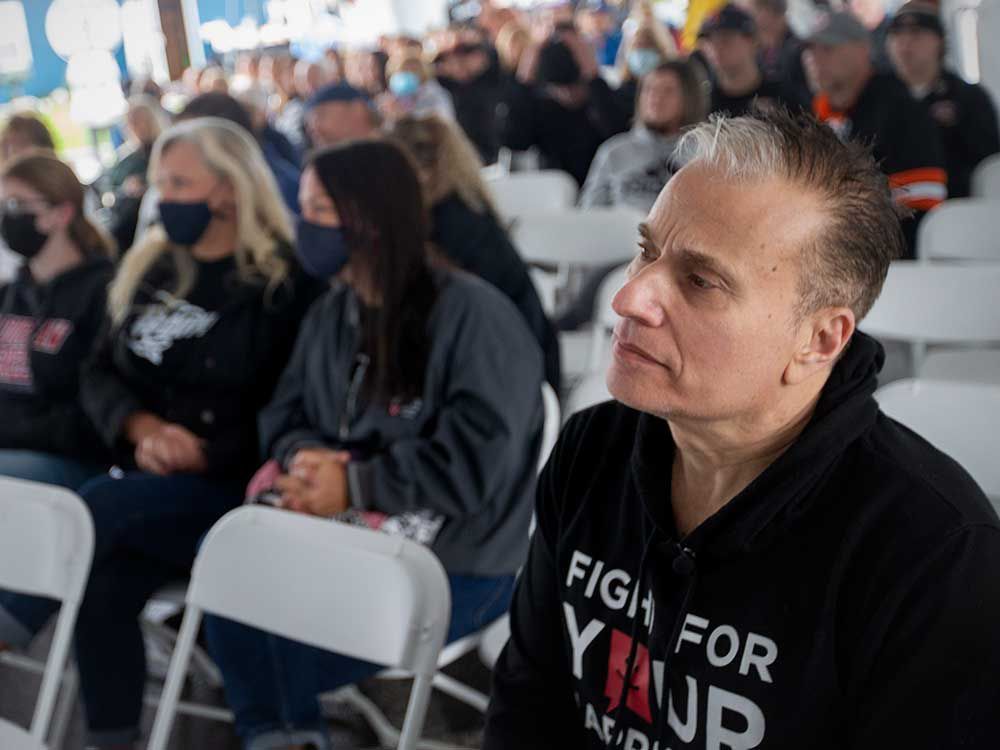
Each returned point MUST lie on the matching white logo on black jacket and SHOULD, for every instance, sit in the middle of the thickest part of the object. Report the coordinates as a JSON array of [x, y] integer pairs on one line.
[[156, 329]]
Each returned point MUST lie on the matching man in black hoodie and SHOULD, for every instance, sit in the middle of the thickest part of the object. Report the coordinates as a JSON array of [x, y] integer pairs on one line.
[[745, 552]]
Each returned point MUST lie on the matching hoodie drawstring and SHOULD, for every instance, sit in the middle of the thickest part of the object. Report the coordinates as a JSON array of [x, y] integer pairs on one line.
[[683, 565], [634, 645]]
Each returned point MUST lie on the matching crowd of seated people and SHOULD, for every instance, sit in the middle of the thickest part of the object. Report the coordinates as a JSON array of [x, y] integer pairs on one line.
[[297, 287]]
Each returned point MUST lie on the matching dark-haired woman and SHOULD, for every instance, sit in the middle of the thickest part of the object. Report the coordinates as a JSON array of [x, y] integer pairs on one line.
[[50, 315], [413, 393]]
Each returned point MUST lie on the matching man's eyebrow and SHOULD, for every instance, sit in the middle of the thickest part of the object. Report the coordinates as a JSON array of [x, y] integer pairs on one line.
[[646, 232], [710, 263]]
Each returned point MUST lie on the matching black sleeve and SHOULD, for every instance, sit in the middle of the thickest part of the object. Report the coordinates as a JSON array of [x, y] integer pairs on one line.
[[979, 132], [104, 395], [913, 158], [62, 428], [532, 705], [933, 683], [517, 131], [605, 109]]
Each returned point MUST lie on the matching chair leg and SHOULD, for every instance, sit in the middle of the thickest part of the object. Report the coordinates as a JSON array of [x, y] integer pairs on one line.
[[68, 699], [461, 692], [387, 734]]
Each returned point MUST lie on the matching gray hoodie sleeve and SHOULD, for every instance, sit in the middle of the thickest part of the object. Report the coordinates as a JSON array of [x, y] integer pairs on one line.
[[487, 424], [596, 191]]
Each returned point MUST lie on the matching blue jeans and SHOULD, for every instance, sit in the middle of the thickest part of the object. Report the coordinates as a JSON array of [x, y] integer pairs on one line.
[[272, 684], [147, 531], [49, 468]]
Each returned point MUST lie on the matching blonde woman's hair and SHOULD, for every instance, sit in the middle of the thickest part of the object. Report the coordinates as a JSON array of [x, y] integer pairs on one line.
[[654, 32], [408, 57], [262, 222], [446, 157]]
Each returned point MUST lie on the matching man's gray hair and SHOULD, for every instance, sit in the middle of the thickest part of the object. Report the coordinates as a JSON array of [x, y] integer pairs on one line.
[[846, 263]]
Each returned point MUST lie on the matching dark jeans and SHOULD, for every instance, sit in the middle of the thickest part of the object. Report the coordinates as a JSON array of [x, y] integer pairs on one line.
[[147, 531], [272, 683]]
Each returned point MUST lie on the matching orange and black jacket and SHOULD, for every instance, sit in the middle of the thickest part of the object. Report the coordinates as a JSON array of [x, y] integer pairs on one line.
[[906, 144]]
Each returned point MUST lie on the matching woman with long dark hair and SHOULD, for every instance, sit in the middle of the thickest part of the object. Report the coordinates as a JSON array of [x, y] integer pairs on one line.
[[412, 398]]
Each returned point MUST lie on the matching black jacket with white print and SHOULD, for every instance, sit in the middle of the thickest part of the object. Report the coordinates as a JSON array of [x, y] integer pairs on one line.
[[47, 330], [208, 361], [462, 458], [846, 599]]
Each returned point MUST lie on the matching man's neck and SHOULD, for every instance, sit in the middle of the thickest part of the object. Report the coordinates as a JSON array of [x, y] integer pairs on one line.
[[844, 98], [714, 462], [741, 82]]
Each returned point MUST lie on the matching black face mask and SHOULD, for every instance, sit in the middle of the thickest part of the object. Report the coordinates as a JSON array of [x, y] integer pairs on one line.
[[19, 232]]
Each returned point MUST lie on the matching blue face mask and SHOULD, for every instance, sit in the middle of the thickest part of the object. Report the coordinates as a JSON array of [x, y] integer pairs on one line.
[[322, 250], [185, 223], [643, 61], [404, 83]]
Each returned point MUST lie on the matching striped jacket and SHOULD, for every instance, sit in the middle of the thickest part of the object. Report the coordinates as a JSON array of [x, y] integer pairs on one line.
[[905, 140]]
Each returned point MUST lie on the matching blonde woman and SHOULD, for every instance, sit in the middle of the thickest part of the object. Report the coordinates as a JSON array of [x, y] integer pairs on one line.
[[642, 51], [413, 89], [203, 313], [464, 222]]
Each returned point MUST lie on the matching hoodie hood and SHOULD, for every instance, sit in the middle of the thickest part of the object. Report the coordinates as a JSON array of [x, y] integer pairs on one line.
[[845, 410]]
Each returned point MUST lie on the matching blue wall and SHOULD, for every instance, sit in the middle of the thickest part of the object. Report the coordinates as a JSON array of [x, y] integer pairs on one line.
[[49, 70]]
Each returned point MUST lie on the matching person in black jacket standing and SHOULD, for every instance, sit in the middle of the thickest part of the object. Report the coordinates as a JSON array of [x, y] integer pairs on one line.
[[465, 224], [561, 106], [743, 552], [393, 410], [964, 113], [202, 316], [50, 315]]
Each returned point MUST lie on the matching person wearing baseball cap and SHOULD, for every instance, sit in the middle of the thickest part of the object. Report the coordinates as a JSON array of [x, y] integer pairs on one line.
[[862, 104], [730, 36], [964, 113], [337, 113]]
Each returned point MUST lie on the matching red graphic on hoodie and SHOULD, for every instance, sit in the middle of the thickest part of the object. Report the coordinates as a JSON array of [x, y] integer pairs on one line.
[[15, 337], [638, 692], [52, 335]]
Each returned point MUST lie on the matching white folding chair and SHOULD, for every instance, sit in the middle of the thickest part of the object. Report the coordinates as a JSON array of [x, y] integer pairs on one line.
[[591, 390], [937, 304], [561, 241], [961, 229], [986, 178], [46, 548], [518, 193], [605, 318], [454, 651], [958, 418], [967, 366], [249, 569]]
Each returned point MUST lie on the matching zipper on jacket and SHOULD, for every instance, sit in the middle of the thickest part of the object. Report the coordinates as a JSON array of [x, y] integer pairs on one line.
[[353, 391]]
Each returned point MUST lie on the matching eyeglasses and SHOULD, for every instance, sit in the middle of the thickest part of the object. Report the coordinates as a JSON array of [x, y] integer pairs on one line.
[[21, 206]]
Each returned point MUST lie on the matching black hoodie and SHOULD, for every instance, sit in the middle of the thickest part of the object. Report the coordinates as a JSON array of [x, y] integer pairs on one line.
[[46, 332], [847, 598]]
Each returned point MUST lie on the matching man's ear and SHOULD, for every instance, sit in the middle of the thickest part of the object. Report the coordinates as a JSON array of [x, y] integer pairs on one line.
[[823, 336]]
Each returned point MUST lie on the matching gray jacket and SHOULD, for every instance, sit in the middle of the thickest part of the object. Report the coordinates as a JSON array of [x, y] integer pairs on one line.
[[461, 460], [629, 169]]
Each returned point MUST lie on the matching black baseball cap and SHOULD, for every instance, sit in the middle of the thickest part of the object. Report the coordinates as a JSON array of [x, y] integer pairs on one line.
[[917, 15], [728, 18]]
